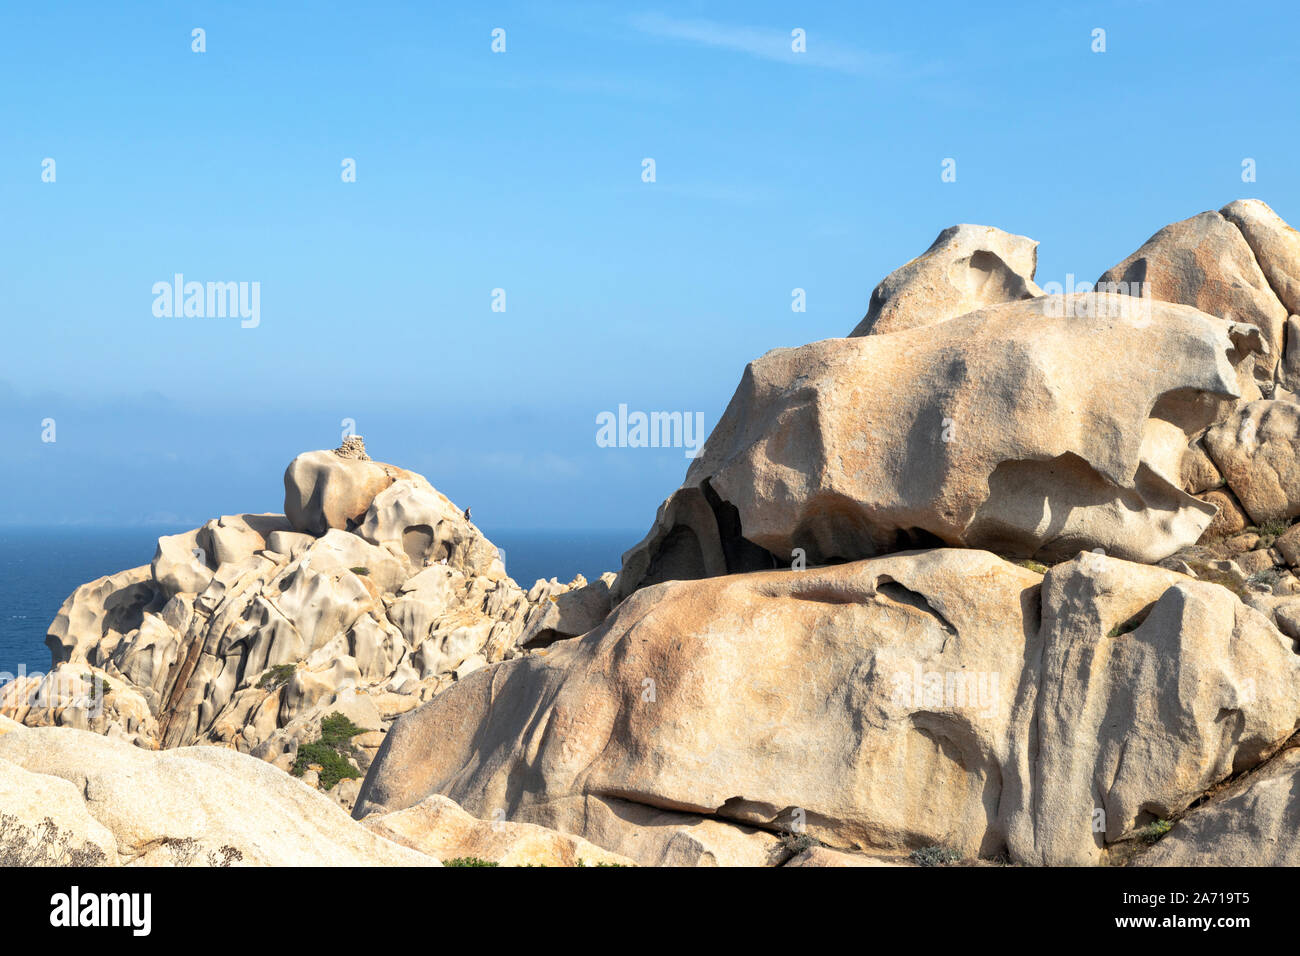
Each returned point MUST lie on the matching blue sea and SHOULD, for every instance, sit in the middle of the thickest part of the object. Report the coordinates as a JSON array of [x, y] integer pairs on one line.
[[40, 567]]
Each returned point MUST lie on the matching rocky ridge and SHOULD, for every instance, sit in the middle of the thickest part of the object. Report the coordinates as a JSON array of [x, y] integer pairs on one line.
[[1003, 575]]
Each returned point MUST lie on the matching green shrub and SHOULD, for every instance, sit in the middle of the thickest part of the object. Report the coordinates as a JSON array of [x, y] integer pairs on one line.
[[934, 856], [1033, 566], [330, 751], [1269, 530], [277, 675], [1126, 627], [1154, 830], [468, 861], [336, 730], [359, 570]]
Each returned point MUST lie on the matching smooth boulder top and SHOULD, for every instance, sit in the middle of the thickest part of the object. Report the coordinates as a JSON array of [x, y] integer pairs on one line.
[[966, 268], [323, 490], [215, 797]]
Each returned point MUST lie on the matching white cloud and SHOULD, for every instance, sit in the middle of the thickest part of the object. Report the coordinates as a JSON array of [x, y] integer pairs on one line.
[[768, 43]]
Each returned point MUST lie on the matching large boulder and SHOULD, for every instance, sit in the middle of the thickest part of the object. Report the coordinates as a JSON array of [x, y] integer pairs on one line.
[[1021, 428], [1206, 262], [1276, 246], [1257, 449], [182, 805], [966, 268], [918, 699]]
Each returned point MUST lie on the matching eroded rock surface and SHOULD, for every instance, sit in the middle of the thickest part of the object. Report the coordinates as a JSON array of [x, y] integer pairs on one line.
[[1005, 429], [247, 632], [944, 697], [966, 268]]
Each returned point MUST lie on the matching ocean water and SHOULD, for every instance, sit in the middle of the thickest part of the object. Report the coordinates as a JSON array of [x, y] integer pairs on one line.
[[40, 567]]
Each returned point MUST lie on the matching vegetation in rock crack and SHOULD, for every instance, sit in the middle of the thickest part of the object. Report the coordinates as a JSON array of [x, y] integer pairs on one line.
[[468, 861], [98, 687], [277, 675], [791, 844], [1126, 627], [1222, 578], [1268, 531], [1033, 565], [185, 851], [1154, 830], [935, 856], [1269, 578], [43, 845], [330, 752], [359, 570]]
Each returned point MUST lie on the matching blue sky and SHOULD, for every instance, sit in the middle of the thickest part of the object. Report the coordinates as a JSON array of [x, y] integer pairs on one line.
[[523, 171]]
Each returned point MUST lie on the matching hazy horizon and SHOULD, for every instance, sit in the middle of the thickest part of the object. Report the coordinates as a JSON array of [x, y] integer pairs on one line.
[[524, 171]]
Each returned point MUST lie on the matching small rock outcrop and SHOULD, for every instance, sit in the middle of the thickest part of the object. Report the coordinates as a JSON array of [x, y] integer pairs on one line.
[[965, 269], [371, 595]]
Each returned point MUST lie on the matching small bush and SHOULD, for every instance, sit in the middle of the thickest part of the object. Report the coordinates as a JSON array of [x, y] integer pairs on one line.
[[1268, 578], [1154, 830], [1033, 566], [934, 856], [359, 570], [224, 856], [43, 845], [468, 861], [330, 751], [277, 675], [1126, 627], [1269, 530]]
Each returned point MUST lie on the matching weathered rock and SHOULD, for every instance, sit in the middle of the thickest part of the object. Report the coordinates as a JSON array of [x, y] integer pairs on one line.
[[1205, 262], [1251, 823], [1148, 690], [438, 827], [1288, 544], [571, 613], [823, 856], [1256, 449], [151, 803], [1276, 247], [966, 268], [1199, 473], [1002, 429], [324, 490], [28, 801], [1230, 519], [412, 518], [888, 704], [247, 633]]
